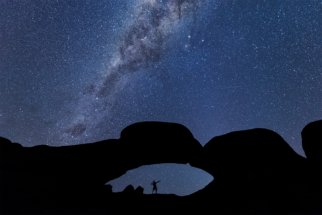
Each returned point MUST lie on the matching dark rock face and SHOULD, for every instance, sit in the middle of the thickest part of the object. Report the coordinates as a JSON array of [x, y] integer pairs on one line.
[[258, 169], [129, 189], [248, 154], [150, 130], [77, 172], [159, 142], [312, 146], [95, 163], [312, 142], [108, 188], [139, 190], [9, 152], [83, 164], [255, 171]]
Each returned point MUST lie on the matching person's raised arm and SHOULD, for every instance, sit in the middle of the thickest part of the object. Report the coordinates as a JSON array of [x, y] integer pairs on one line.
[[158, 181]]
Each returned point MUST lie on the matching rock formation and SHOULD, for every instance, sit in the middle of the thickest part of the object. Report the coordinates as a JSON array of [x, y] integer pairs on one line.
[[141, 143], [312, 143], [139, 190], [129, 190], [248, 154], [312, 146], [255, 171]]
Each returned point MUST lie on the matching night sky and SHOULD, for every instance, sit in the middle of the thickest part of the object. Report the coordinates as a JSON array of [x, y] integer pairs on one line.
[[74, 72]]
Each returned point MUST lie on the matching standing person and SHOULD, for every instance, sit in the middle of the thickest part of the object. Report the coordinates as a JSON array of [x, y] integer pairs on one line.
[[155, 186]]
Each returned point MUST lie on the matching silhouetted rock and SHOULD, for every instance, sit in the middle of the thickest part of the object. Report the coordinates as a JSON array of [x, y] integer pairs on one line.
[[255, 172], [312, 143], [139, 190], [9, 152], [248, 154], [128, 190], [257, 169], [96, 163], [108, 188], [4, 141], [90, 166], [312, 146], [158, 142], [82, 164]]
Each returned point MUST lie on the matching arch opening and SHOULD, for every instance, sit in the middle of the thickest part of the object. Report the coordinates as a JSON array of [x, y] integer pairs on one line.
[[178, 179]]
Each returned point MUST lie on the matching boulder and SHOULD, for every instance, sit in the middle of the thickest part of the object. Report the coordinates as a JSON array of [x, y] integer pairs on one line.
[[139, 190], [251, 153], [257, 170], [312, 146], [128, 190], [312, 143]]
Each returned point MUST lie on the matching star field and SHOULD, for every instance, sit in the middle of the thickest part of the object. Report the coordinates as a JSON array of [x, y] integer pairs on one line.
[[74, 72]]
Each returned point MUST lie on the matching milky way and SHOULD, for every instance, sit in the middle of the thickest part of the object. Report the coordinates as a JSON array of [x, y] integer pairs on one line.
[[74, 72], [144, 42]]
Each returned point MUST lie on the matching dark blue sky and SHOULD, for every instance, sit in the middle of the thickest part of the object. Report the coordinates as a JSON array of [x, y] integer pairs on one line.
[[75, 72]]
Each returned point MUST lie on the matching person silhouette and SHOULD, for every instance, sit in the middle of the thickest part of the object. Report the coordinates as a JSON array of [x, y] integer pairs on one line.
[[155, 186]]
